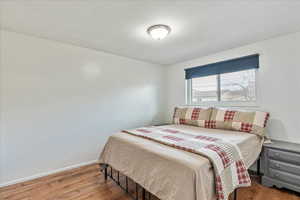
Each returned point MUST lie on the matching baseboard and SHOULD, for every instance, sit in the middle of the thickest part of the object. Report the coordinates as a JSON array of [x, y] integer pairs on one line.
[[46, 173]]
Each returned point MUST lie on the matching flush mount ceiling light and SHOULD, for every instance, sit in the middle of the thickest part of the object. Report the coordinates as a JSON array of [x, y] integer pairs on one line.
[[159, 31]]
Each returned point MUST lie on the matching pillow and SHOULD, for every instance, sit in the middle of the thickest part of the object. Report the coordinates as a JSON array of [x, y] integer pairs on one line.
[[192, 116], [244, 121]]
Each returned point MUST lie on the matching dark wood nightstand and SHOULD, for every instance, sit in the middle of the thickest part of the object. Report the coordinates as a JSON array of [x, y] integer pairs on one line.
[[282, 165]]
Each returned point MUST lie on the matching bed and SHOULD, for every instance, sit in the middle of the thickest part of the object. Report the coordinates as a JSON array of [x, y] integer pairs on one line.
[[170, 173]]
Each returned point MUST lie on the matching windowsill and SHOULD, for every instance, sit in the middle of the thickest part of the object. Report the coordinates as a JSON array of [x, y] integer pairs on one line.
[[227, 104]]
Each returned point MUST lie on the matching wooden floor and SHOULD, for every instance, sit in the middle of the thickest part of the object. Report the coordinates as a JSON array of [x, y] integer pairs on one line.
[[87, 183]]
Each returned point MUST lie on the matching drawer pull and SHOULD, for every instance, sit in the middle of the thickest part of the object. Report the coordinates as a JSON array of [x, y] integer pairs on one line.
[[277, 166], [277, 155]]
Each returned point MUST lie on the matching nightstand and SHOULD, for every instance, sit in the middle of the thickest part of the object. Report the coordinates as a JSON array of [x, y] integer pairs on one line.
[[282, 165]]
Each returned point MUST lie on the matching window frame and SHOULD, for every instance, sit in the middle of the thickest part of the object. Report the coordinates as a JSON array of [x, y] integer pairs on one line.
[[188, 95]]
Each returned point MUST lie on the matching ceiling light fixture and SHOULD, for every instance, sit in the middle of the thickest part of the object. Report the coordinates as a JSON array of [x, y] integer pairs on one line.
[[159, 31]]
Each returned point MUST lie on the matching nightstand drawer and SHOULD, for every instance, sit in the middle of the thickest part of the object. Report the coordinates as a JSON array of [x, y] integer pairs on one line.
[[285, 167], [285, 177], [284, 156]]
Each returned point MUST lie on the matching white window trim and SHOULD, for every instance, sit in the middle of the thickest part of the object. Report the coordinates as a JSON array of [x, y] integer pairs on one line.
[[188, 95]]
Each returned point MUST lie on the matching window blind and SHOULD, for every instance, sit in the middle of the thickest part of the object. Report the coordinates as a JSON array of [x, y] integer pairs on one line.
[[233, 65]]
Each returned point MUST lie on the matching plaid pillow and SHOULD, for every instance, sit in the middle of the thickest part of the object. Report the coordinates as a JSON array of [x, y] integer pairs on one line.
[[192, 116], [250, 122]]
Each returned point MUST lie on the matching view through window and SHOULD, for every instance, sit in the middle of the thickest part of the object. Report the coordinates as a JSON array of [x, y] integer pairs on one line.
[[228, 87]]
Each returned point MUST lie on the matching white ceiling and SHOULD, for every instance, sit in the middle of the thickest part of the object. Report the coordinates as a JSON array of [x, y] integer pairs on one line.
[[198, 27]]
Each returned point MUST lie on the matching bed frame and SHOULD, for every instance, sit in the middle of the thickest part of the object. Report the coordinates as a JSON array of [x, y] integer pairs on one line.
[[136, 196], [106, 167]]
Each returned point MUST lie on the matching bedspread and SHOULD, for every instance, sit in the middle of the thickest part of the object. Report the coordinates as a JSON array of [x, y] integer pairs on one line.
[[170, 173], [229, 168]]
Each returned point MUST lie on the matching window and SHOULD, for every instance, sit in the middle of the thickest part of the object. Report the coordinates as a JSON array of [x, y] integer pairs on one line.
[[204, 89], [230, 82], [238, 86], [228, 87]]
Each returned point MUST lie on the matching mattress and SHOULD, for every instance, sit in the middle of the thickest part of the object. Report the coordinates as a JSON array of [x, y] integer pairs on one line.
[[170, 173]]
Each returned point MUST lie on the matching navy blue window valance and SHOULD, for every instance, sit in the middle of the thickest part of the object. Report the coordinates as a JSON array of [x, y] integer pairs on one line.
[[233, 65]]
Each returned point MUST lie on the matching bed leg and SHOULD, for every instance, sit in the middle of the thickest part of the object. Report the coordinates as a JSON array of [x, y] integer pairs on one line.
[[126, 180], [105, 172], [258, 167], [144, 194], [149, 197], [136, 191], [235, 194], [118, 180]]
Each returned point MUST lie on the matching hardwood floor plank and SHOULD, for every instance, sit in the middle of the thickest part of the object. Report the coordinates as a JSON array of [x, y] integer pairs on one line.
[[34, 183], [87, 183], [55, 182]]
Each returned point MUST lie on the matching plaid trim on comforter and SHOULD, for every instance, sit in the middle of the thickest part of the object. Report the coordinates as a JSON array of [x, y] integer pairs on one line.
[[229, 168]]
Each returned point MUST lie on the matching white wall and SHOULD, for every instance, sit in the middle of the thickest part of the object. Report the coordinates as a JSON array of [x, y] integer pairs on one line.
[[278, 82], [59, 103]]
